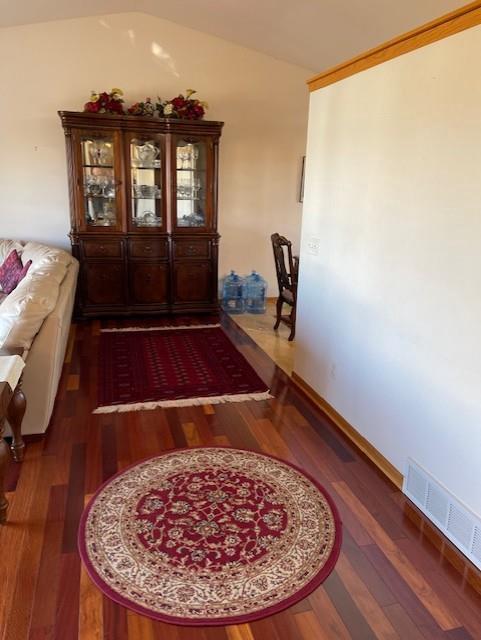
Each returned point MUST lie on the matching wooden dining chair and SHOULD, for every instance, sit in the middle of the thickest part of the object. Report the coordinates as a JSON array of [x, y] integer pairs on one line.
[[287, 272]]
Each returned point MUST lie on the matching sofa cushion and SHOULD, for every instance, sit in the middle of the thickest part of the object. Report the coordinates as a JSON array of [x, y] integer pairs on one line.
[[24, 310], [12, 271], [41, 255], [7, 246]]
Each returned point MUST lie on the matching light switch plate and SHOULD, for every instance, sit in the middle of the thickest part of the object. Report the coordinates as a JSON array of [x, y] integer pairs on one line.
[[313, 246]]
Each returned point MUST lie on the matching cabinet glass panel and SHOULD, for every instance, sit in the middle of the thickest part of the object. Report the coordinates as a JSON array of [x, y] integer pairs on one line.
[[99, 182], [146, 183], [191, 172]]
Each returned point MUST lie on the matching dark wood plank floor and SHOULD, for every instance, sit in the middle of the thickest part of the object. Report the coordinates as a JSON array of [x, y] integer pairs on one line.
[[397, 578]]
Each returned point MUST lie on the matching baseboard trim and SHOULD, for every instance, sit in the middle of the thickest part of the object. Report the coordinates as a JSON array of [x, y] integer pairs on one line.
[[353, 434]]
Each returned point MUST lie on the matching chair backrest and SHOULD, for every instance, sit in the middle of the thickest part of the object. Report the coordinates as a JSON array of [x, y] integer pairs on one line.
[[286, 275]]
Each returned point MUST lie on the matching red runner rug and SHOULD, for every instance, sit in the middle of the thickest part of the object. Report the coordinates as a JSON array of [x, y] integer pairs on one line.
[[171, 367], [210, 536]]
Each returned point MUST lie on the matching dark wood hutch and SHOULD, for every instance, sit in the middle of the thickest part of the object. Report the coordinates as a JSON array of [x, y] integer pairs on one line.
[[143, 201]]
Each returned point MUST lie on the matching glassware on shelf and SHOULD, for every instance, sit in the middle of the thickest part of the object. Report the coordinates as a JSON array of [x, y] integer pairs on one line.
[[108, 213], [108, 189], [92, 187], [100, 211], [191, 220], [147, 191], [100, 152], [147, 154], [196, 186], [184, 192], [183, 157], [195, 156], [99, 186], [190, 185], [188, 155], [148, 219]]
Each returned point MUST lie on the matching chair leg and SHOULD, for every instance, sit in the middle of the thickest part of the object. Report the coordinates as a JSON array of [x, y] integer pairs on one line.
[[293, 324], [279, 304]]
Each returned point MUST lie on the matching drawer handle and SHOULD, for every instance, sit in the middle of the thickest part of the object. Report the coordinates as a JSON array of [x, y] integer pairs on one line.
[[192, 250], [147, 248]]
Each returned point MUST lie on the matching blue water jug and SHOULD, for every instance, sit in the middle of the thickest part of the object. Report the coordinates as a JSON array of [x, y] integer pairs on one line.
[[255, 289], [233, 293]]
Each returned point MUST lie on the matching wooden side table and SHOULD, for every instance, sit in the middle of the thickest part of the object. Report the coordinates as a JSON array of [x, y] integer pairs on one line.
[[12, 407]]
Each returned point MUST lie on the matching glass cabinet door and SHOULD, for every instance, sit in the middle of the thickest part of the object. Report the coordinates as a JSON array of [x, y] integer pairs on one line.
[[100, 204], [146, 190], [191, 185]]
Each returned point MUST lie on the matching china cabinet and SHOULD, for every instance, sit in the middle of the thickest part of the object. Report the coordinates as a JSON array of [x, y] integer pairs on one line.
[[143, 201]]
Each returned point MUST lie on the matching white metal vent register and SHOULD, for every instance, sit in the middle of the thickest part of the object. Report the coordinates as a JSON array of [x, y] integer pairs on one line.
[[455, 520]]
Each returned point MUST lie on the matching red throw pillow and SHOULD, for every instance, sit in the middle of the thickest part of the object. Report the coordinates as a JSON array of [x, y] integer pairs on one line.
[[12, 271]]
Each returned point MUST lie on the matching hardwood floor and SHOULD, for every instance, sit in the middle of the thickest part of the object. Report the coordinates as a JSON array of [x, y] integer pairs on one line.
[[396, 578]]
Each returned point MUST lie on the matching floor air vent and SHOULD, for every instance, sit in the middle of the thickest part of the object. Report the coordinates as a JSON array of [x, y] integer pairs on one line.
[[456, 521]]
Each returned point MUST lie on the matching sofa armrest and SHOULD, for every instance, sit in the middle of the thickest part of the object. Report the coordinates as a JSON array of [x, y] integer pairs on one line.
[[44, 361]]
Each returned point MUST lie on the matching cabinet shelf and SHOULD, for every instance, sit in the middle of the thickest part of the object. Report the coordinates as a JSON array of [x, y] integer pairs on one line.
[[148, 225], [98, 166], [101, 223], [92, 197]]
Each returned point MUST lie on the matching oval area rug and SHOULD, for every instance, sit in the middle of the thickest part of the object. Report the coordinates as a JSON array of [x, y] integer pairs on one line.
[[209, 536]]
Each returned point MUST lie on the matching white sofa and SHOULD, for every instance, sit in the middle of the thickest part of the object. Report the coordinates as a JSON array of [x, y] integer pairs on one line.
[[36, 317]]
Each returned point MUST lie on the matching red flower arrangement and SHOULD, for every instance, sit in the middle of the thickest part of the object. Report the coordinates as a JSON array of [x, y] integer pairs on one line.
[[182, 107], [106, 102]]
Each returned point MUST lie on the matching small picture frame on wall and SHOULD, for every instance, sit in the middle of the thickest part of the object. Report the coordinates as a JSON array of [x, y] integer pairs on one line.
[[300, 197]]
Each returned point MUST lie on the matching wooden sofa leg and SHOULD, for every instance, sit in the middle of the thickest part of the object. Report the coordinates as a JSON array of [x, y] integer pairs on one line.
[[15, 412]]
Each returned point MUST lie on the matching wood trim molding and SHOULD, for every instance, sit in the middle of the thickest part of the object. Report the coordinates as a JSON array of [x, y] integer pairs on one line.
[[463, 18], [343, 425]]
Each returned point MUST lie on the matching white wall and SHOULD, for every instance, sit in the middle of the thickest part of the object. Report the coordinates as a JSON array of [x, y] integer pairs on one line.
[[389, 328], [55, 65]]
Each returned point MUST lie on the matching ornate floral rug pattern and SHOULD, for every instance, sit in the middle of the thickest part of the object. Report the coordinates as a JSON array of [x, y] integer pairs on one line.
[[171, 367], [209, 536]]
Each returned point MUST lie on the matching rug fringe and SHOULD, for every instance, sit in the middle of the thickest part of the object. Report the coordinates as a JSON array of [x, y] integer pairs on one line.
[[184, 402], [182, 326]]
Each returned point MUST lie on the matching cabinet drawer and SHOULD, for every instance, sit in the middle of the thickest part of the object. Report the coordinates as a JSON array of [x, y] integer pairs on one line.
[[139, 248], [195, 248], [102, 248]]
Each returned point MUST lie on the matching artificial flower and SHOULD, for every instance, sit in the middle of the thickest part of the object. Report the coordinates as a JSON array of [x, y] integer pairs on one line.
[[182, 106], [105, 102]]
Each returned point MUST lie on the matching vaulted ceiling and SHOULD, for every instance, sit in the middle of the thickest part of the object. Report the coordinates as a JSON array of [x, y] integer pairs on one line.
[[314, 34]]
